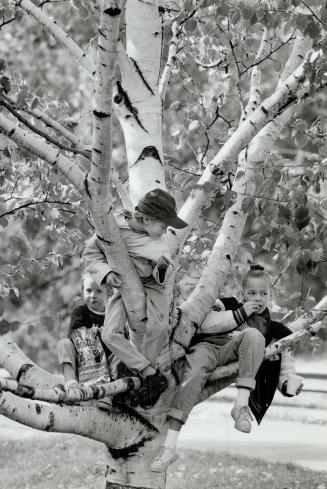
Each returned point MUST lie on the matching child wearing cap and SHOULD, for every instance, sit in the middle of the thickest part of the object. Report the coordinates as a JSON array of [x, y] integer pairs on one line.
[[142, 232]]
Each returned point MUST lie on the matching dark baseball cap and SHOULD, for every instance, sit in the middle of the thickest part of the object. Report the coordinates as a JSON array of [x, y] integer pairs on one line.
[[160, 204]]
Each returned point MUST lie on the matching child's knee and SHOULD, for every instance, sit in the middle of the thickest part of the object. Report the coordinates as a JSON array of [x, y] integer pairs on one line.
[[110, 337], [255, 337]]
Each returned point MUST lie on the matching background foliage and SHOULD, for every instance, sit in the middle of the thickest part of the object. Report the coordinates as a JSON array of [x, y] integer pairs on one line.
[[43, 223]]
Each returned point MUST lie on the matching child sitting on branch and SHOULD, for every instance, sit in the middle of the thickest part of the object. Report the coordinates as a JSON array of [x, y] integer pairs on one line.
[[233, 331], [83, 357], [142, 232]]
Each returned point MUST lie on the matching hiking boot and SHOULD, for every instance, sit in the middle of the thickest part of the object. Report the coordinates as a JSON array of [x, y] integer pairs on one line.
[[151, 389], [165, 457], [242, 417]]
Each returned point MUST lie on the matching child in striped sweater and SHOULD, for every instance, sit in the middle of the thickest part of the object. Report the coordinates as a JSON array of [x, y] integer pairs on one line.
[[232, 331]]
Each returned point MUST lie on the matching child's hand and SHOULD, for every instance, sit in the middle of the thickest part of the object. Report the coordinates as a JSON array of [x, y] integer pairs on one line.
[[95, 331], [70, 384], [250, 307], [163, 262], [113, 280]]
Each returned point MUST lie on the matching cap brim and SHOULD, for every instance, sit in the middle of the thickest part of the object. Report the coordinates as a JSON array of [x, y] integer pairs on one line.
[[175, 222]]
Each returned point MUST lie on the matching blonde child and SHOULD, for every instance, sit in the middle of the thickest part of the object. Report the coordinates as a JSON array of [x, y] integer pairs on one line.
[[83, 357], [142, 233], [232, 331]]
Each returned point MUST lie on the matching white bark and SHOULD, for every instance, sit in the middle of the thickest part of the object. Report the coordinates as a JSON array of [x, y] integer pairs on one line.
[[74, 394], [59, 128], [115, 430], [50, 26], [43, 150], [255, 84], [170, 61], [137, 99], [102, 103]]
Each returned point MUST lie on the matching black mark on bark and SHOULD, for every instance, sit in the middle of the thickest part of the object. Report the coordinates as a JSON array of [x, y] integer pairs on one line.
[[23, 369], [133, 110], [100, 115], [142, 76], [112, 11]]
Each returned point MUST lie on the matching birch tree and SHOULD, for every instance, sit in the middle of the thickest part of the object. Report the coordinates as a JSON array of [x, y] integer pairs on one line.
[[203, 95]]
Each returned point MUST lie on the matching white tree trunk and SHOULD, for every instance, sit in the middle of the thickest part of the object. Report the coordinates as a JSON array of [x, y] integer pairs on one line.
[[137, 99]]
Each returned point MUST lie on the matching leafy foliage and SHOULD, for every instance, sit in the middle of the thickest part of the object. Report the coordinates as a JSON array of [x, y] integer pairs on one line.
[[43, 222]]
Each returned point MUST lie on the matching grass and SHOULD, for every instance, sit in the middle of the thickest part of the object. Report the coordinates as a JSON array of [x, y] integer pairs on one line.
[[68, 462]]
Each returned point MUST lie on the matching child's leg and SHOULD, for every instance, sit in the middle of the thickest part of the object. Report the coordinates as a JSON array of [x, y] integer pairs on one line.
[[67, 359], [248, 347], [199, 363], [113, 335], [157, 328]]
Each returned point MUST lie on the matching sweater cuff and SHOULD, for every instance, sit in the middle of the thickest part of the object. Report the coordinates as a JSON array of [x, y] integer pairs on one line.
[[240, 316]]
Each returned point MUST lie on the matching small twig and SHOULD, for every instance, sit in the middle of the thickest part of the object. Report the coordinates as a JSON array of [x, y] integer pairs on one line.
[[28, 204], [313, 13], [6, 22], [184, 171], [261, 60]]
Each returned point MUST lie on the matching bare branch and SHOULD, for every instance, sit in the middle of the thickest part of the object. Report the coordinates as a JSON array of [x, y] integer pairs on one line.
[[41, 133], [59, 394], [170, 62], [43, 150], [50, 26]]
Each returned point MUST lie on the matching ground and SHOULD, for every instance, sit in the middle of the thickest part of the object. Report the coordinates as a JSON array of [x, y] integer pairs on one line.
[[70, 462]]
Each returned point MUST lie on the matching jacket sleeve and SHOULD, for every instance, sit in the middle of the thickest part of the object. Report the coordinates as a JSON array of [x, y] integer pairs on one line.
[[220, 321], [95, 261], [287, 367]]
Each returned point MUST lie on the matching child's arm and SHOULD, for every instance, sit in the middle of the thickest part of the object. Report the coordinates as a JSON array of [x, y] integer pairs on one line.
[[220, 321], [97, 264]]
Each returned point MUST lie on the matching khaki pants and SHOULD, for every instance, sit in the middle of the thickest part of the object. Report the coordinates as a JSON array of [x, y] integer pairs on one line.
[[143, 347], [247, 346]]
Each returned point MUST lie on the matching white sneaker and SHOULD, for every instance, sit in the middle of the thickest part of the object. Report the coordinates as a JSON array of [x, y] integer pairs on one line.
[[165, 457], [242, 417]]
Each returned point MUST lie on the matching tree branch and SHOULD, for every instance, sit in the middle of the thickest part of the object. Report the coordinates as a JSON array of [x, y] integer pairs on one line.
[[196, 307], [74, 394], [117, 431], [284, 97], [50, 26], [43, 150], [163, 83], [41, 133]]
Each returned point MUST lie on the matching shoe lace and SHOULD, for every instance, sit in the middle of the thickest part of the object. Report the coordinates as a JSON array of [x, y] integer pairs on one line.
[[245, 410]]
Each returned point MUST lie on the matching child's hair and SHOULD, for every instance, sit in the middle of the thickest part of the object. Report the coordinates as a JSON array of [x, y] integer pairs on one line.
[[84, 275], [256, 271], [139, 217]]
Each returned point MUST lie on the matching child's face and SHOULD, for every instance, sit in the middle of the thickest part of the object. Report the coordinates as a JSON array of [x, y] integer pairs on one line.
[[94, 295], [257, 289], [154, 227]]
